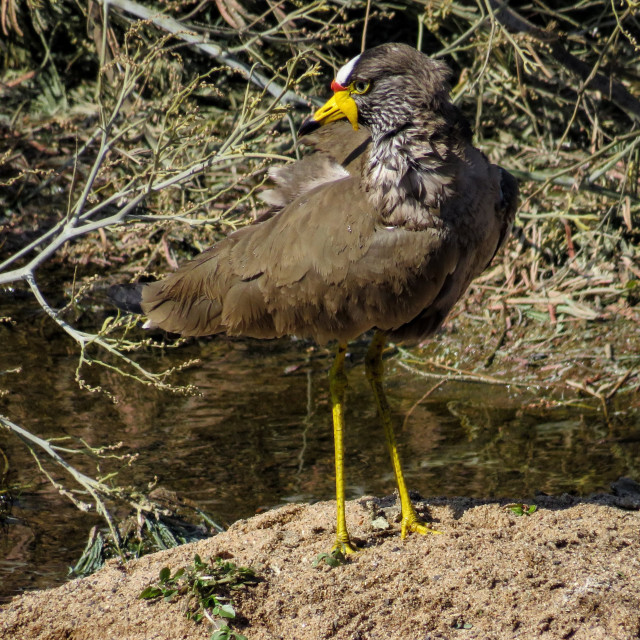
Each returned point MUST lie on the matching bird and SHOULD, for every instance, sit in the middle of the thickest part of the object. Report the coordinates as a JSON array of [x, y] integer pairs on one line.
[[380, 228]]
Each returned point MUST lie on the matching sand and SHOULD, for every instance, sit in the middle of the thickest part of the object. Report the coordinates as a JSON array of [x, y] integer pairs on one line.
[[569, 570]]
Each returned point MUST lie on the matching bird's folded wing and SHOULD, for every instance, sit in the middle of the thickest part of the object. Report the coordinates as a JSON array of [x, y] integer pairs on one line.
[[323, 267], [338, 153]]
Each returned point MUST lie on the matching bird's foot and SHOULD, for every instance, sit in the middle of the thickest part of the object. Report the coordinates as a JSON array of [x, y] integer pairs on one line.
[[343, 546], [411, 524]]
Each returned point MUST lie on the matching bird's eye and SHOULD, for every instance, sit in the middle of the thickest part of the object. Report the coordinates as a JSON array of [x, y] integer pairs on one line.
[[360, 86]]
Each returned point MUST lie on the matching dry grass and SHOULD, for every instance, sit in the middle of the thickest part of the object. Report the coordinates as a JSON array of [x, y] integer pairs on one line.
[[127, 116], [126, 145]]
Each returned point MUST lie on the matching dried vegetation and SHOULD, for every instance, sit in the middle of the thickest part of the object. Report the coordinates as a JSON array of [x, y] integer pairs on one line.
[[132, 137]]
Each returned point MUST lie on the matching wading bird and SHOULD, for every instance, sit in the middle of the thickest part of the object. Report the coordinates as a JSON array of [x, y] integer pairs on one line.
[[382, 227]]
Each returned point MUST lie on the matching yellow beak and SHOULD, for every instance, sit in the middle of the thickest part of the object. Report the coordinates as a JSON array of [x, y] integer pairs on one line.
[[340, 105]]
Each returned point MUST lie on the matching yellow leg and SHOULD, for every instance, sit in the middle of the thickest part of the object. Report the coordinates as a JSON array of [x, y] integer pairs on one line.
[[375, 373], [338, 386]]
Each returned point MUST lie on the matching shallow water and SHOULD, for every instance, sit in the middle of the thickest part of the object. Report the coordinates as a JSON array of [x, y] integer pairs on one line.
[[259, 435]]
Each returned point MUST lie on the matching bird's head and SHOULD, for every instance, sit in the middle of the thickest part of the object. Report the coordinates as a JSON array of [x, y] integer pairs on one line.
[[384, 88]]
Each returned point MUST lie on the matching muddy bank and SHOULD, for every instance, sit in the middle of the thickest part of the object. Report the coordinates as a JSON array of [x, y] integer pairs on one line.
[[570, 570]]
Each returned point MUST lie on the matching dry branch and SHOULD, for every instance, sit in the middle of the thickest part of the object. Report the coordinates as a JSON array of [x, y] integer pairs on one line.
[[609, 87], [176, 28]]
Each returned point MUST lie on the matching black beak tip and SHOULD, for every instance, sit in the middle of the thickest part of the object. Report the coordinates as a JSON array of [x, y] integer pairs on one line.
[[308, 126]]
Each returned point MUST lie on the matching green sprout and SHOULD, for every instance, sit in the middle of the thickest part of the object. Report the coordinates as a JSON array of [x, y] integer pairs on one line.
[[521, 509], [206, 588], [333, 559]]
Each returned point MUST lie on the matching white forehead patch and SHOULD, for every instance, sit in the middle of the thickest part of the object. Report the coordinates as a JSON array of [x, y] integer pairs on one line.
[[345, 71]]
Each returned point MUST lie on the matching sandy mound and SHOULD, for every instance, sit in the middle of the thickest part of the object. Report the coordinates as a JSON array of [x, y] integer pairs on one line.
[[570, 570]]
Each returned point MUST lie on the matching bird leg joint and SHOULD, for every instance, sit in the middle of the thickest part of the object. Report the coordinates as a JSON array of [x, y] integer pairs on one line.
[[337, 376], [374, 366]]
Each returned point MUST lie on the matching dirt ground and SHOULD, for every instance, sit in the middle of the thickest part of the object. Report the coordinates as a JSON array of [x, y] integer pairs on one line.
[[569, 570]]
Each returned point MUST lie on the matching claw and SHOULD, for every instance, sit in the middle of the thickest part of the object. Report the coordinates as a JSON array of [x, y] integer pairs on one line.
[[411, 524], [343, 544], [344, 548]]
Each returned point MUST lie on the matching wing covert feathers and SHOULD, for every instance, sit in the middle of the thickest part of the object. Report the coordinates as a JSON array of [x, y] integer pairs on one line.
[[328, 265]]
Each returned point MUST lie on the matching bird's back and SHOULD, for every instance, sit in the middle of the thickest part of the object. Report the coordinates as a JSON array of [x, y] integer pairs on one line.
[[327, 265]]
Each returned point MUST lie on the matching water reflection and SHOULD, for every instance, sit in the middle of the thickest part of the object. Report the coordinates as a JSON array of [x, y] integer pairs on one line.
[[260, 435]]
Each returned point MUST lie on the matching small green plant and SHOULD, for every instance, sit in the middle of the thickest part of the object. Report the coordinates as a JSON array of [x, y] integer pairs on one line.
[[333, 559], [206, 588], [225, 633], [461, 624], [522, 509]]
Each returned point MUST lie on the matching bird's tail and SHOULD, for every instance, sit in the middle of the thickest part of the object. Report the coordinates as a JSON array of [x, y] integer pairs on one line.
[[127, 297]]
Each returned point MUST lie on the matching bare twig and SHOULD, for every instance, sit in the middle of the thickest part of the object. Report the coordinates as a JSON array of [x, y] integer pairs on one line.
[[608, 86], [179, 30], [94, 488]]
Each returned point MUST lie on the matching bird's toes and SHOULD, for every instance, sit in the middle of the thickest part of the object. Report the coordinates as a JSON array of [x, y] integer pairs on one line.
[[413, 525], [343, 548]]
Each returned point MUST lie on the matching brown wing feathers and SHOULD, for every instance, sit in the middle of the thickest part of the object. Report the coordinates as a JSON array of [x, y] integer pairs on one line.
[[333, 262]]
